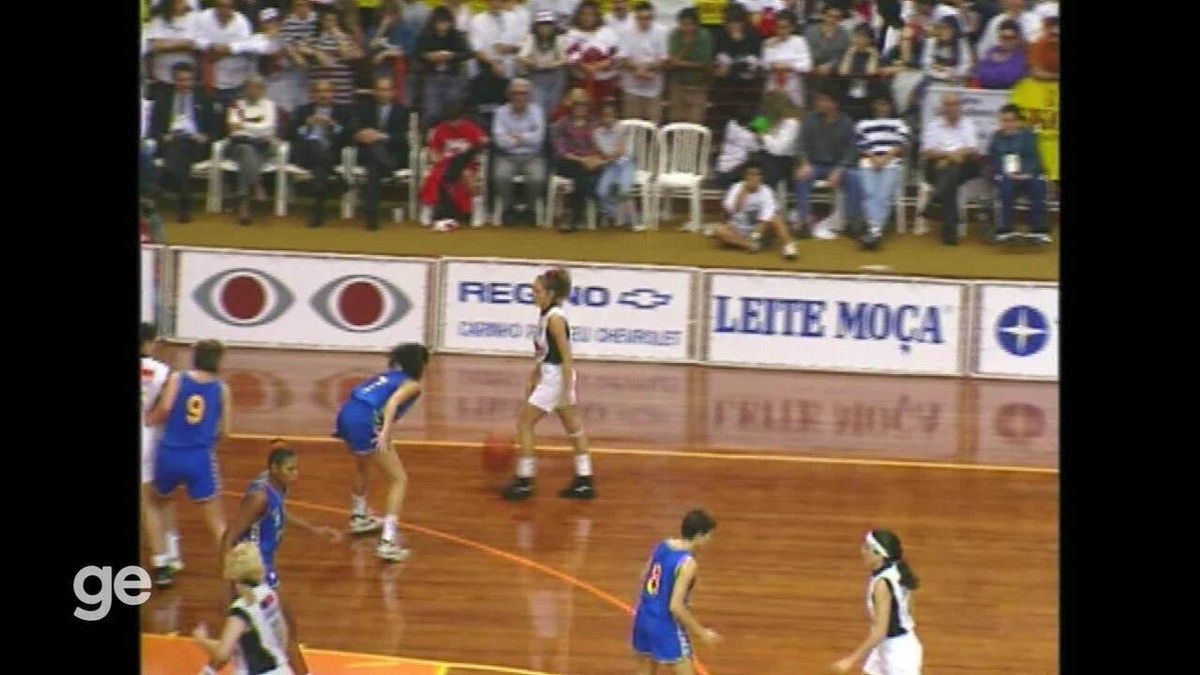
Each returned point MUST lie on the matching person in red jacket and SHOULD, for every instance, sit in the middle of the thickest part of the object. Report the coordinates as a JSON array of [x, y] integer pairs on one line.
[[449, 186]]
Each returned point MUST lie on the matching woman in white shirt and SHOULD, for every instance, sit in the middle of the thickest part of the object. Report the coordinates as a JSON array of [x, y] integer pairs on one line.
[[786, 58], [252, 123]]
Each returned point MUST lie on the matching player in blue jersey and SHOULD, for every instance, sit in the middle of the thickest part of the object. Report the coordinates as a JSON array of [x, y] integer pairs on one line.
[[663, 622], [365, 423], [194, 411], [261, 519]]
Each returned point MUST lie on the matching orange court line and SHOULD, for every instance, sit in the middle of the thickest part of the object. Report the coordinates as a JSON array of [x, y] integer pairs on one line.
[[490, 550], [716, 452]]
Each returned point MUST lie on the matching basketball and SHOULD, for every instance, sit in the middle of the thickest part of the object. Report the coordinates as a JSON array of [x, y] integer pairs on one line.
[[498, 452]]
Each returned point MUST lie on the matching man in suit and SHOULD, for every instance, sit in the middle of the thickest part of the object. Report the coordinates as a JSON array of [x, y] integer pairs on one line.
[[381, 136], [319, 131], [183, 122]]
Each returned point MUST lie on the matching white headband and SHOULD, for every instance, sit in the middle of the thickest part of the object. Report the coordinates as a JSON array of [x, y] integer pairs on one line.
[[876, 547]]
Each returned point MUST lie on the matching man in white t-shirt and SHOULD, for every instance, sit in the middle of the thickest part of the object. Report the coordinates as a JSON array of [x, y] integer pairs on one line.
[[641, 55], [751, 216]]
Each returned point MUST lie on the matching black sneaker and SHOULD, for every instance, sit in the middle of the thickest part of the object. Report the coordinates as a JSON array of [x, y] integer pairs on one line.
[[518, 489], [580, 488], [163, 577], [870, 241]]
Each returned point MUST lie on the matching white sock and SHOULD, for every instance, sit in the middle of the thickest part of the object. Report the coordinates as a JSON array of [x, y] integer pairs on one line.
[[525, 467], [389, 528], [358, 505], [159, 560], [583, 464], [173, 545]]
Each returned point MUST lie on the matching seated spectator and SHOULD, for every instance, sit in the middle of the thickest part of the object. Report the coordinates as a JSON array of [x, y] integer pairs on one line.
[[947, 56], [518, 133], [857, 70], [448, 191], [183, 121], [381, 136], [779, 138], [737, 70], [1017, 168], [641, 55], [882, 140], [689, 64], [591, 53], [1043, 53], [786, 58], [1014, 10], [949, 148], [903, 64], [319, 131], [576, 155], [752, 218], [544, 58], [827, 40], [1003, 65], [738, 144], [252, 123], [615, 184], [828, 152]]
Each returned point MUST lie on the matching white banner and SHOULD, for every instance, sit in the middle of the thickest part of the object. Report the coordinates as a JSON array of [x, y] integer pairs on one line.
[[629, 313], [911, 418], [621, 404], [982, 106], [149, 283], [1018, 423], [1017, 331], [301, 300], [854, 324]]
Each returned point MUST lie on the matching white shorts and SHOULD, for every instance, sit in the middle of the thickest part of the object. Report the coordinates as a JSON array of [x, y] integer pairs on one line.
[[149, 446], [547, 396], [900, 655]]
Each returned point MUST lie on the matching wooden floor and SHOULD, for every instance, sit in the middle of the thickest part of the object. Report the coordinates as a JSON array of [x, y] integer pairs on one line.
[[794, 466]]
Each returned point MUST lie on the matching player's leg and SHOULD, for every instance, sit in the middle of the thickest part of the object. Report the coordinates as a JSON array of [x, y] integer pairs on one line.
[[356, 428], [727, 235], [581, 486], [152, 517], [203, 484], [167, 475], [776, 228], [361, 520], [397, 479], [295, 657], [171, 535], [522, 484], [684, 667], [645, 665]]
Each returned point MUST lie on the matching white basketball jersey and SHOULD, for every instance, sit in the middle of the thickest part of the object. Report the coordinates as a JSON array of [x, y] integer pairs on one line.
[[901, 618], [263, 647], [154, 376]]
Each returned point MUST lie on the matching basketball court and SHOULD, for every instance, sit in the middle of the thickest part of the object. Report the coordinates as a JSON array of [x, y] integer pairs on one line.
[[794, 467]]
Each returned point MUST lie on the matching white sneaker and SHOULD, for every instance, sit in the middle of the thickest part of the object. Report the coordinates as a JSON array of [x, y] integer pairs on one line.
[[789, 251], [824, 232], [176, 565], [363, 523], [391, 551], [446, 225]]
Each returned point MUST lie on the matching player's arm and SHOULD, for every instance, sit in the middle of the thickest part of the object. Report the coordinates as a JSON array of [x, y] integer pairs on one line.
[[225, 425], [557, 327], [686, 574], [252, 508], [319, 530], [166, 399], [881, 597], [221, 650], [403, 394]]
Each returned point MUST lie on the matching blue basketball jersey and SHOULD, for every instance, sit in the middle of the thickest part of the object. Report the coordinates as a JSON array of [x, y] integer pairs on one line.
[[195, 413], [267, 531], [659, 583], [376, 391]]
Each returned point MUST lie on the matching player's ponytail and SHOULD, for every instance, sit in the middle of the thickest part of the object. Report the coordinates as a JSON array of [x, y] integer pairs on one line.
[[893, 553], [557, 281]]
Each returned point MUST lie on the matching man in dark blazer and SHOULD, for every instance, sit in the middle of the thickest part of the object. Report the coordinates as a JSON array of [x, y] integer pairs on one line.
[[319, 131], [183, 122], [381, 135]]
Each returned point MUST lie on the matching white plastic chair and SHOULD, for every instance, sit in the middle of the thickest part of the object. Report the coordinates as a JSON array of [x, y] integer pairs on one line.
[[204, 170], [292, 172], [555, 185], [355, 174], [539, 205], [683, 150], [644, 141]]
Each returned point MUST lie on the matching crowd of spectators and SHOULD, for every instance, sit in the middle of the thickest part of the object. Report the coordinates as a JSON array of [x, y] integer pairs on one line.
[[799, 91]]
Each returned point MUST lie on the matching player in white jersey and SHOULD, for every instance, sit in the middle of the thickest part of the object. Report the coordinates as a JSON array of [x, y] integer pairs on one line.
[[255, 634], [551, 389], [891, 647], [752, 216], [154, 377]]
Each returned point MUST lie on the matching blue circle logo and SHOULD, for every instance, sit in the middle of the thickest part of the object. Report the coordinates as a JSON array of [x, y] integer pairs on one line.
[[1022, 330]]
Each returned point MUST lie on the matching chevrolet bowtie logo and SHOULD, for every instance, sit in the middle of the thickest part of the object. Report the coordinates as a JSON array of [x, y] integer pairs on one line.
[[644, 298]]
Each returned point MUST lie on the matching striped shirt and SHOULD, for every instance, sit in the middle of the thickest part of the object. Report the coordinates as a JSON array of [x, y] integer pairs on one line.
[[877, 136]]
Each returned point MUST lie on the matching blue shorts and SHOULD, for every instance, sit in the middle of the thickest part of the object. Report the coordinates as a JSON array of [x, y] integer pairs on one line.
[[196, 468], [356, 426], [663, 640]]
